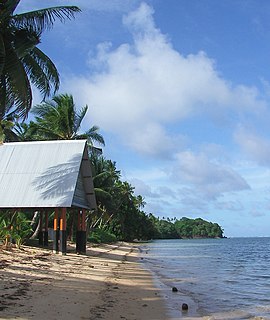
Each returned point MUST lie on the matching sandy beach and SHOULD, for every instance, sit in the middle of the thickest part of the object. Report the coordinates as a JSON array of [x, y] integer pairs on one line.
[[106, 283]]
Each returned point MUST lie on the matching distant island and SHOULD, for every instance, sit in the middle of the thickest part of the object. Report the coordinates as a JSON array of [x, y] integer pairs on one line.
[[186, 228]]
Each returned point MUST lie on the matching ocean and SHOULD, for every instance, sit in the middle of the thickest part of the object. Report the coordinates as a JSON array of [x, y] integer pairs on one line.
[[217, 278]]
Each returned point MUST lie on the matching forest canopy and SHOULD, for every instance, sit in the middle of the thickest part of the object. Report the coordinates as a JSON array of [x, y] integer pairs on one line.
[[120, 212], [186, 228]]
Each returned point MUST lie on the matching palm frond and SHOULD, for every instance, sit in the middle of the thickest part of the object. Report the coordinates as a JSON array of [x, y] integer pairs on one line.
[[7, 8], [3, 97], [2, 53], [102, 194], [41, 110], [43, 19], [66, 110], [94, 135], [42, 72], [18, 89], [41, 131], [79, 117], [101, 176], [23, 41], [47, 67], [37, 76]]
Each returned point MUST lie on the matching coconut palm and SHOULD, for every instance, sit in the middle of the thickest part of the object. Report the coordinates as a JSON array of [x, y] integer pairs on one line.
[[58, 119], [21, 62], [6, 131]]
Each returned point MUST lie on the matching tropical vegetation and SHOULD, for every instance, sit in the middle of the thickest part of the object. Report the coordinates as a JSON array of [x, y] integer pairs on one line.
[[187, 228], [120, 212], [58, 119], [22, 63]]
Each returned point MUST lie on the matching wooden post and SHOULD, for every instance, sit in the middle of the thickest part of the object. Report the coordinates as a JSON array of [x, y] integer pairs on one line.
[[46, 235], [83, 248], [81, 232], [40, 232], [55, 231], [63, 231]]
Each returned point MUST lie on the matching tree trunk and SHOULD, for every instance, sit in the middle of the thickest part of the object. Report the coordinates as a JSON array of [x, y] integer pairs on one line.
[[35, 234]]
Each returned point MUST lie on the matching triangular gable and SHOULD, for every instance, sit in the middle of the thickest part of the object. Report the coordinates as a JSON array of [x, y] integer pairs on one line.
[[41, 174], [84, 191]]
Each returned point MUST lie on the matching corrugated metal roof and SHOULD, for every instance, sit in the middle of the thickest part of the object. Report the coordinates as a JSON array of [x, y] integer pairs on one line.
[[44, 174]]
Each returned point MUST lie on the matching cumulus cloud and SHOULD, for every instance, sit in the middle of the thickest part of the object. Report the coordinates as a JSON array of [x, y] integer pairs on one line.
[[143, 189], [150, 191], [254, 145], [207, 179], [144, 90], [140, 88], [232, 205]]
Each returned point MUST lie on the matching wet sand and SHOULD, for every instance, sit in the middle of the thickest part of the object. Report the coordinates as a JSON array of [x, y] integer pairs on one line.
[[107, 283]]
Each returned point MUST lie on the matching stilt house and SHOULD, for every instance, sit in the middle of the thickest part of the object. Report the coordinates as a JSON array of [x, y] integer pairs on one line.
[[46, 176]]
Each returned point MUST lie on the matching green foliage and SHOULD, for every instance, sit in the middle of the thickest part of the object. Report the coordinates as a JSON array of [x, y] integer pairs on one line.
[[166, 229], [5, 233], [197, 228], [120, 214], [101, 236], [14, 227], [21, 229], [22, 64], [58, 119], [120, 210]]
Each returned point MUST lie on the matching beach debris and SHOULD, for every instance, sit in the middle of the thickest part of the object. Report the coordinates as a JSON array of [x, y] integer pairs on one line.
[[184, 306], [174, 289]]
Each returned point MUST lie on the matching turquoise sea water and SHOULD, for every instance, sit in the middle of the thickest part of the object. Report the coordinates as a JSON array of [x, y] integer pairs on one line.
[[218, 278]]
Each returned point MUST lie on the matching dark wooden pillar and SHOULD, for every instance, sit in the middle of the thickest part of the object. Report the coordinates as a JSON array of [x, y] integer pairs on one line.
[[40, 231], [55, 231], [46, 234], [63, 231], [81, 232], [78, 233]]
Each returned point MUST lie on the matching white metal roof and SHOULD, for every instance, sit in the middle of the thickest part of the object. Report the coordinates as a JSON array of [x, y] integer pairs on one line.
[[44, 174]]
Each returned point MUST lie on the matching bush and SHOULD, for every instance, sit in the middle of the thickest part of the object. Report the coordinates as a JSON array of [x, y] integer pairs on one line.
[[14, 227], [101, 236]]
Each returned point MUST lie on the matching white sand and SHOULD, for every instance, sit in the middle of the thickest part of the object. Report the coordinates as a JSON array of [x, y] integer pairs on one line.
[[107, 283]]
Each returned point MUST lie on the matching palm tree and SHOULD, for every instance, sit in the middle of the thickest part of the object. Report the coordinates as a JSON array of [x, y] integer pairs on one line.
[[105, 177], [58, 119], [22, 64], [20, 131], [6, 132]]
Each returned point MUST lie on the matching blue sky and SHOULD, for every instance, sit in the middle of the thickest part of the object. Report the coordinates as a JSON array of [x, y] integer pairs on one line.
[[181, 92]]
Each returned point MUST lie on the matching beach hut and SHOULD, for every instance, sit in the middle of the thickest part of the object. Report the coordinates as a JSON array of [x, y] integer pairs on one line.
[[49, 175]]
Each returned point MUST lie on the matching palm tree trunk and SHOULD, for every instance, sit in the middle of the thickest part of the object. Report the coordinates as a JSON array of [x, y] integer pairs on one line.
[[35, 234]]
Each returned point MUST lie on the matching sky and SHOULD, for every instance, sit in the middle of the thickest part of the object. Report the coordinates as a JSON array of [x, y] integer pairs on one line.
[[181, 92]]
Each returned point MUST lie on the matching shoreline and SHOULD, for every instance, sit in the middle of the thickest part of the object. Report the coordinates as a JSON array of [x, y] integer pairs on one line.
[[173, 300], [107, 283]]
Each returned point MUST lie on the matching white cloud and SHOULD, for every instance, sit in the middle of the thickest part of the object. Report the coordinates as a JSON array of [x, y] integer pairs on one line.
[[208, 179], [141, 88], [141, 188], [230, 205], [254, 145]]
